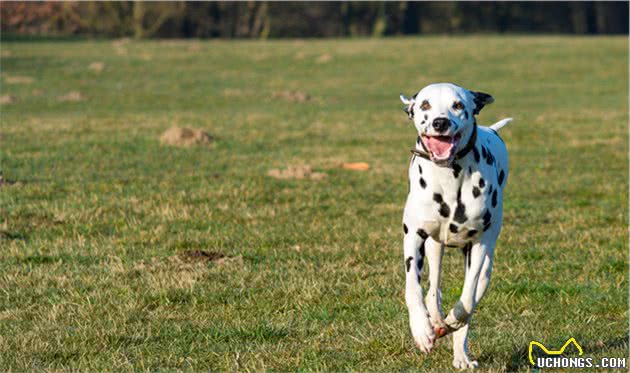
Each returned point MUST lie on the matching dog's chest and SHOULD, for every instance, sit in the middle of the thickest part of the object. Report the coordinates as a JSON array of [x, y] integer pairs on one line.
[[451, 204]]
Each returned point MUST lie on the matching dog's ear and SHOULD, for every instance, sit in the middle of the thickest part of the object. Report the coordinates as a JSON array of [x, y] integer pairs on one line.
[[481, 99], [408, 102]]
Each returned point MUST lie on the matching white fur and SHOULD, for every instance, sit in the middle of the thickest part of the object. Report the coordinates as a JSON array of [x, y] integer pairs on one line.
[[422, 212]]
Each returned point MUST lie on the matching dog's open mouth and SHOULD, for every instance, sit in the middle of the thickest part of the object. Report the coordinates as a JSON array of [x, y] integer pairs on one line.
[[442, 148]]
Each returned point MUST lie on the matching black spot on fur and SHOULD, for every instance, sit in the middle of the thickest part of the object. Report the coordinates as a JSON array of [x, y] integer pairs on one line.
[[420, 259], [456, 170], [482, 183], [486, 227], [408, 263], [470, 170], [490, 159], [476, 192], [471, 232], [426, 117], [445, 211], [476, 153], [452, 228], [466, 114], [405, 229], [423, 184], [486, 217], [420, 169], [494, 199], [466, 252], [501, 177], [490, 189], [460, 209], [484, 154], [422, 233]]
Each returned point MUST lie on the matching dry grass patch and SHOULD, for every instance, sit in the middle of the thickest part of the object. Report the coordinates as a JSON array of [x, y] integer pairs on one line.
[[292, 96], [324, 58], [18, 79], [296, 172], [7, 99], [96, 66], [182, 136], [72, 96]]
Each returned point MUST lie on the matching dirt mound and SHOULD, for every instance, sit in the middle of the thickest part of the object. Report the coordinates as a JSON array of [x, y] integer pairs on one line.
[[201, 256], [7, 99], [293, 96], [326, 57], [5, 182], [296, 172], [18, 79], [72, 96], [96, 66], [182, 136]]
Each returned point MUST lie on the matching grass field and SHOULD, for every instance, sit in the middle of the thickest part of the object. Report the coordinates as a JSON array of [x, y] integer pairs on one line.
[[96, 216]]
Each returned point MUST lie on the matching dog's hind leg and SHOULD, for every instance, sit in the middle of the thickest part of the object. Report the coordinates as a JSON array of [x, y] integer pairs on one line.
[[434, 252], [414, 249]]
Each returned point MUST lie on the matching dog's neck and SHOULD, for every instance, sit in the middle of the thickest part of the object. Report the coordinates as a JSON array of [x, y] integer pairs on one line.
[[421, 151]]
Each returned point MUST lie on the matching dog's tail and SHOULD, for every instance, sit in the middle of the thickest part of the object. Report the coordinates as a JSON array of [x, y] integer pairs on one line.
[[500, 124]]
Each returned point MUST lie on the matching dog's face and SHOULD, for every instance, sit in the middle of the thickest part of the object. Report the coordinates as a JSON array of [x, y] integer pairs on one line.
[[444, 114]]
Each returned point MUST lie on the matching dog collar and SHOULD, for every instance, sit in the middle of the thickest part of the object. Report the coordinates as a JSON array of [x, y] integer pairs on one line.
[[459, 155]]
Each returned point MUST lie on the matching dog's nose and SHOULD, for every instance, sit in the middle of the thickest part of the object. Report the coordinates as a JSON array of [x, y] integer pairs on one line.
[[441, 124]]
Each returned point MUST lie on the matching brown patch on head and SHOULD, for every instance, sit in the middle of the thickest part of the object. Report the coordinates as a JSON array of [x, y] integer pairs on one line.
[[7, 99], [292, 96], [185, 137], [72, 96], [457, 105], [296, 172], [425, 105]]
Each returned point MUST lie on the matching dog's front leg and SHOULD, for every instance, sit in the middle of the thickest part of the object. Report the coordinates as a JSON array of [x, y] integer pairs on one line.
[[434, 252], [478, 268], [419, 322]]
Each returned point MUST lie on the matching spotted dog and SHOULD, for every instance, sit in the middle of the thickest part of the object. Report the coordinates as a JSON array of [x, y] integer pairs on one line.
[[457, 176]]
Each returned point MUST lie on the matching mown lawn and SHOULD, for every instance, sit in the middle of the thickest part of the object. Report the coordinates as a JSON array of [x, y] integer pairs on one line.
[[96, 216]]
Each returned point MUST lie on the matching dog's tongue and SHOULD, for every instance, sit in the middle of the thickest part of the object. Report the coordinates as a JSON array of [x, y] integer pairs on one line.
[[440, 146]]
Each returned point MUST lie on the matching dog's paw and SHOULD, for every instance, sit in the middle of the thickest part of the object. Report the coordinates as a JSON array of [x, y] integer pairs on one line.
[[422, 332], [439, 327], [463, 362]]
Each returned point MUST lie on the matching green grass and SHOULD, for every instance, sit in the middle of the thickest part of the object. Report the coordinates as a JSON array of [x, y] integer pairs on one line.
[[91, 233]]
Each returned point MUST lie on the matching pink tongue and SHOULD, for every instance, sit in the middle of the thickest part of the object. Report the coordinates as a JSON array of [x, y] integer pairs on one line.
[[439, 146]]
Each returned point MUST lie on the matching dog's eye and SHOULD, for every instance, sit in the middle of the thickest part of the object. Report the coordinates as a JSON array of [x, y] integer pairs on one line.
[[457, 105], [425, 105]]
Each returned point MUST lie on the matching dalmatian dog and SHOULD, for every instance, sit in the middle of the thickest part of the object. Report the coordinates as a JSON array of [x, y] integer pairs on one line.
[[457, 175]]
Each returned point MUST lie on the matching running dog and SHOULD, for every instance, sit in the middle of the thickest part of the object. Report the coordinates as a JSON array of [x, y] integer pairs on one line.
[[457, 175]]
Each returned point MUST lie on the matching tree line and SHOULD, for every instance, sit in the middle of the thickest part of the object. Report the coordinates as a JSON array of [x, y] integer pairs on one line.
[[264, 19]]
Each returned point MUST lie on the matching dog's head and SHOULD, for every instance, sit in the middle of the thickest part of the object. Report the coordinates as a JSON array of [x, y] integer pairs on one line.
[[444, 115]]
